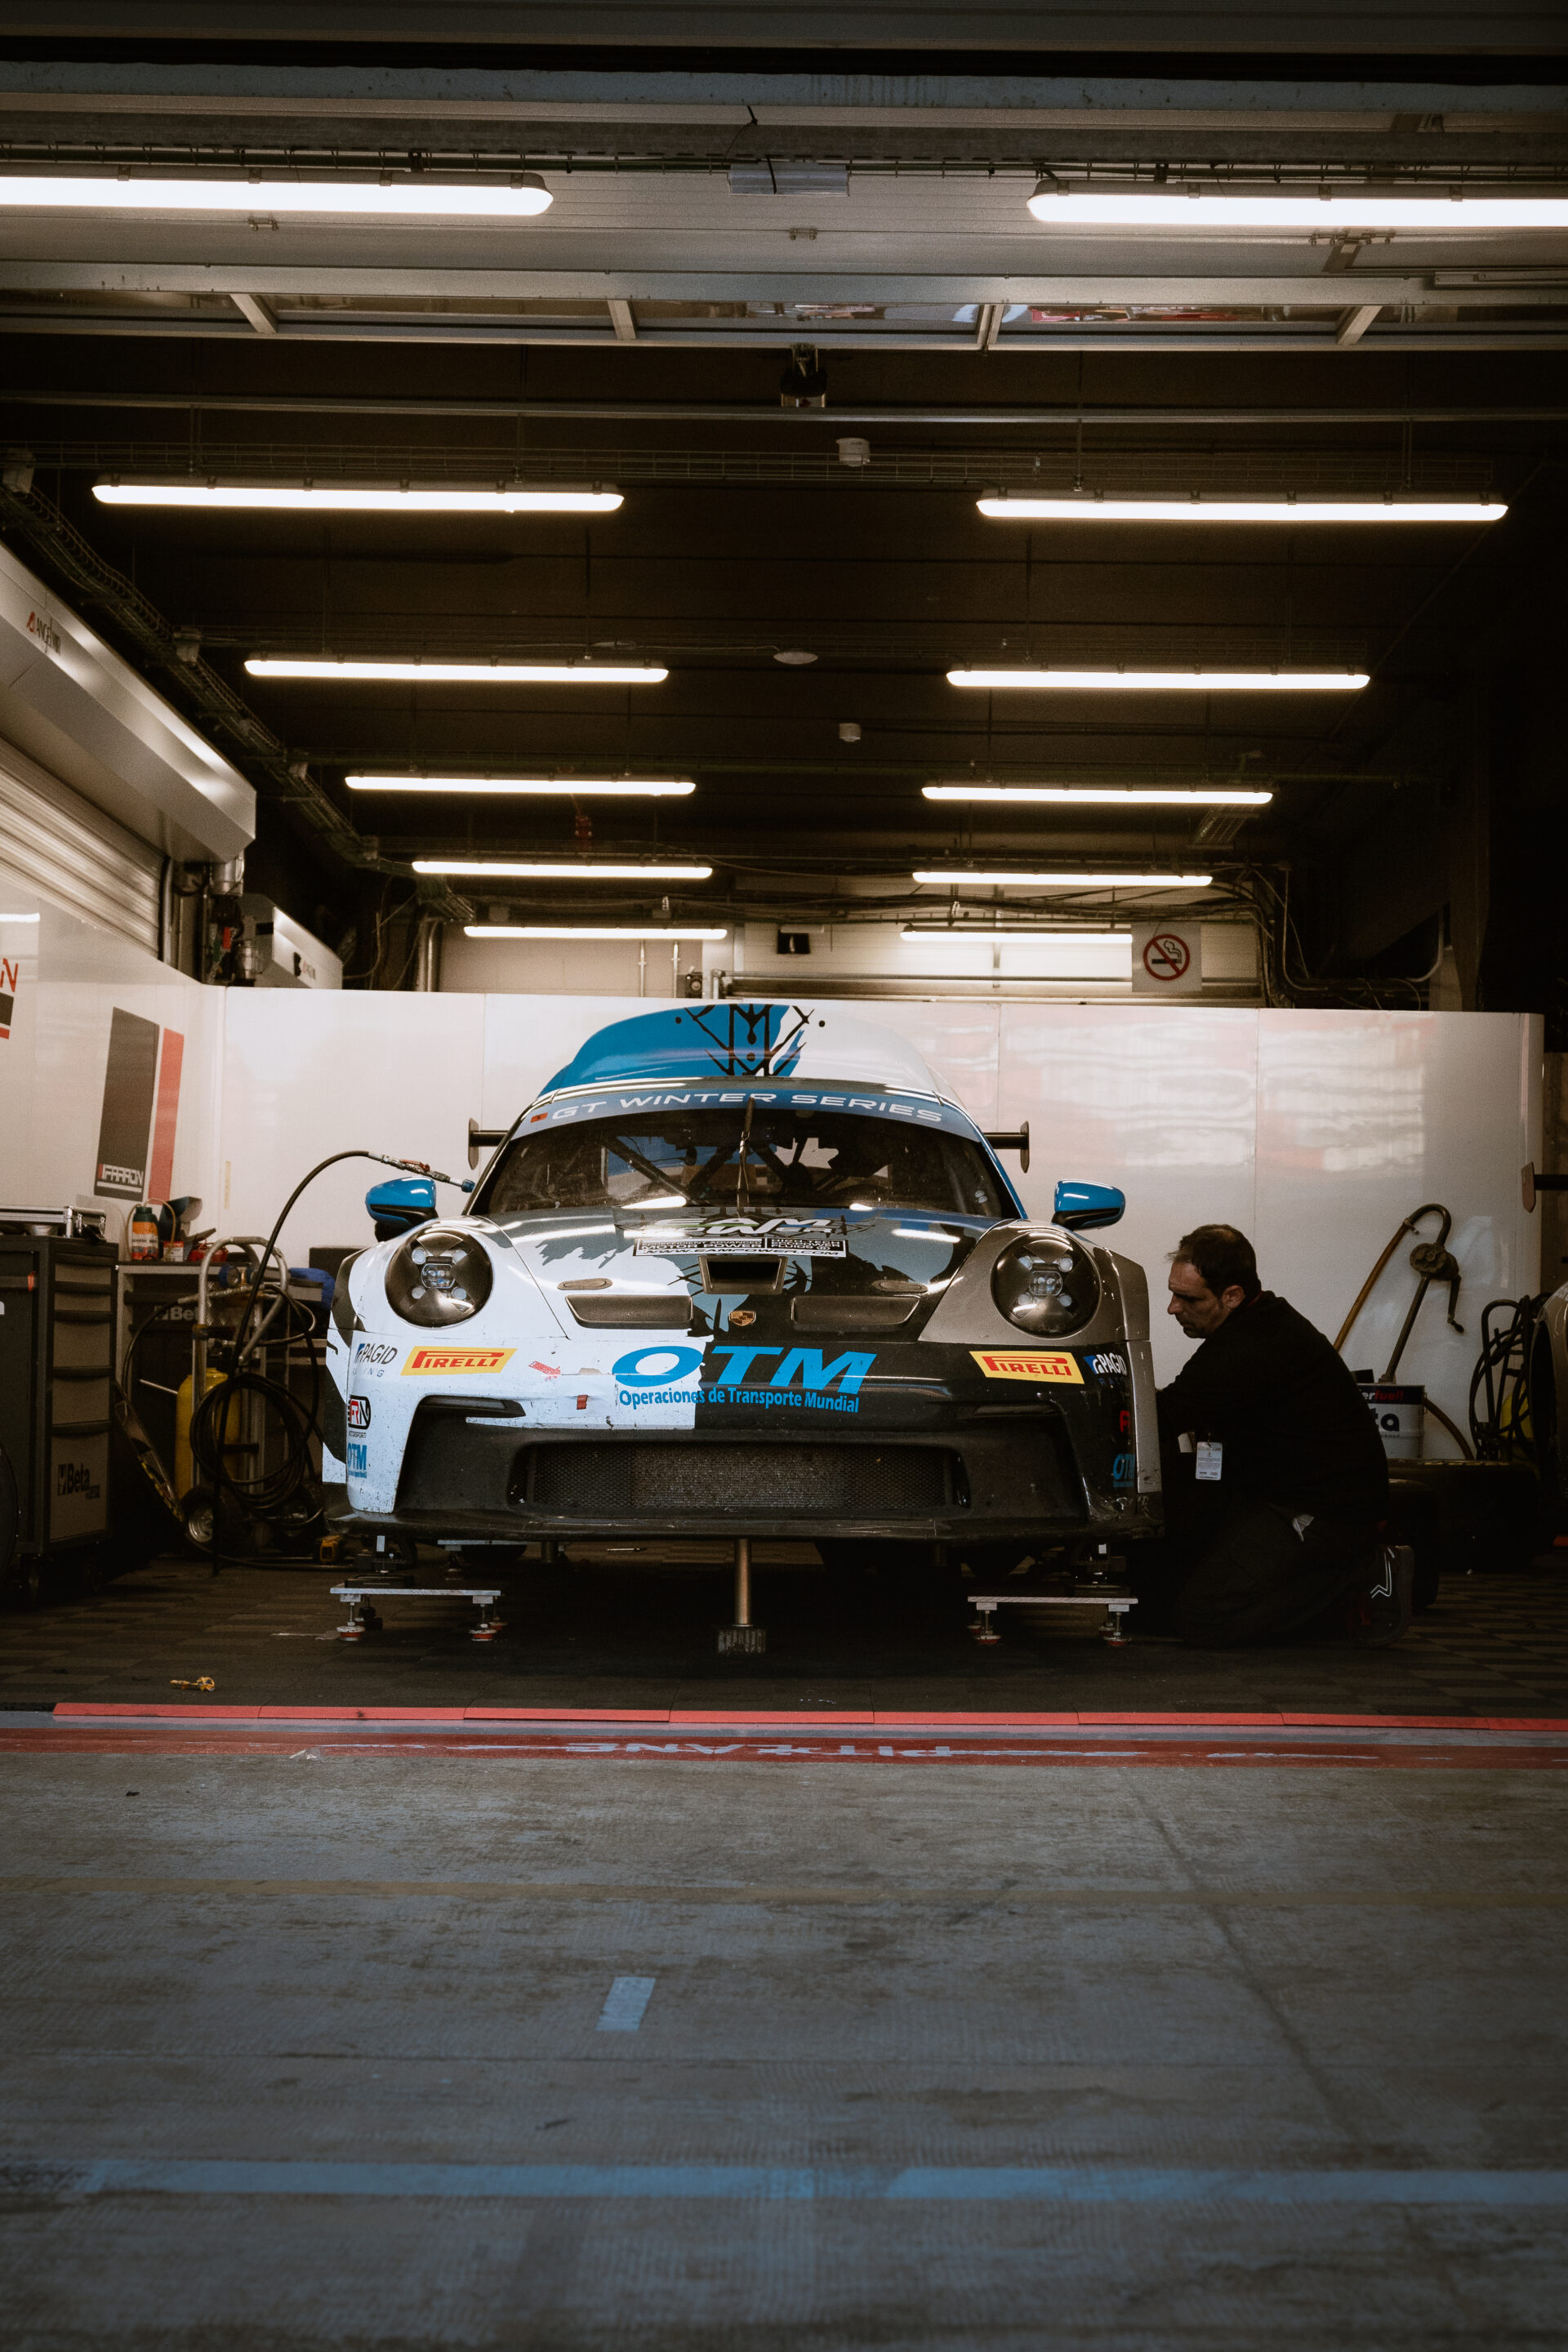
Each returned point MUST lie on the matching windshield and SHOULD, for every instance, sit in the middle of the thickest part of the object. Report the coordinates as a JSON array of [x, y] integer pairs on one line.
[[742, 1160]]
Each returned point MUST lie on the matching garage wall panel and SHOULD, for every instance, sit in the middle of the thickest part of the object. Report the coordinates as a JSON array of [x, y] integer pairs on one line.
[[1162, 1101], [71, 978], [1365, 1117], [308, 1072]]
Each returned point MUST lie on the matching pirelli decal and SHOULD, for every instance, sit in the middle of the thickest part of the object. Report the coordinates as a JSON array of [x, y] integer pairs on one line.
[[1027, 1364], [422, 1360]]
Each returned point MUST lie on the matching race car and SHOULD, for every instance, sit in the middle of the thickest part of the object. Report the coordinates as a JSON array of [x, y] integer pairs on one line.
[[742, 1269]]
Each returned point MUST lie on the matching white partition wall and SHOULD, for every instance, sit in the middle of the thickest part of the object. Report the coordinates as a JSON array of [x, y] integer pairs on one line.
[[310, 1072], [64, 982], [1363, 1117], [1315, 1132]]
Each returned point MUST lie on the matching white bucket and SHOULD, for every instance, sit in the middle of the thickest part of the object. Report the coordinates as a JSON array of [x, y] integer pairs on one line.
[[1401, 1416]]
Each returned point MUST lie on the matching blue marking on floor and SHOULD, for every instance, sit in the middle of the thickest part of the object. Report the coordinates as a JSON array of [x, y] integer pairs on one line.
[[625, 2003], [1051, 2184]]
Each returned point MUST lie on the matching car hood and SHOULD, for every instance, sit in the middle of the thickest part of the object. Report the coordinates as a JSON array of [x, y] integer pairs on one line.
[[706, 1262]]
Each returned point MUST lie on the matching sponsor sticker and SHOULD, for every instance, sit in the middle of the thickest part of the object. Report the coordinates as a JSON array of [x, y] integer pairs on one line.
[[1021, 1364], [1107, 1360], [426, 1361], [358, 1465], [738, 1237], [359, 1413]]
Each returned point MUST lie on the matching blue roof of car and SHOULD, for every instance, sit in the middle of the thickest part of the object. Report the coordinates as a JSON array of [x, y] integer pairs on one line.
[[737, 1038]]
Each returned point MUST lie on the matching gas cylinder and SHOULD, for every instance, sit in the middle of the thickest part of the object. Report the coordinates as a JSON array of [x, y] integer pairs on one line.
[[184, 1408]]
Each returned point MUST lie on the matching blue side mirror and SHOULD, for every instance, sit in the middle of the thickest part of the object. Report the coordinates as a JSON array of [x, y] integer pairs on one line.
[[401, 1204], [1083, 1207]]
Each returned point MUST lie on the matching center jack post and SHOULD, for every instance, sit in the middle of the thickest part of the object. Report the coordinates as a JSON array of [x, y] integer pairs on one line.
[[742, 1639]]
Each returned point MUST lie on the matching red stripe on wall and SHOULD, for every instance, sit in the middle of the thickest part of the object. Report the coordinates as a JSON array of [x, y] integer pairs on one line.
[[165, 1117]]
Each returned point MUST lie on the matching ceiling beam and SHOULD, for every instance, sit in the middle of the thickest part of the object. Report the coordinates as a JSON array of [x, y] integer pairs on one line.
[[1041, 417], [1381, 29], [260, 314], [1091, 288], [447, 333], [1353, 324]]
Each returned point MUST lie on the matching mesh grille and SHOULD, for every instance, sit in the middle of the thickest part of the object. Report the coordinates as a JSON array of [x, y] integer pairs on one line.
[[888, 1482]]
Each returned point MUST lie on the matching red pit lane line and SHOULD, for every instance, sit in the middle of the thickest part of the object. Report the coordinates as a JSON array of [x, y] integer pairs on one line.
[[780, 1719], [191, 1741]]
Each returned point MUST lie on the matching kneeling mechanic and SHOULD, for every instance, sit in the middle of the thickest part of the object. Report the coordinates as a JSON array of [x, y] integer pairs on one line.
[[1274, 1513]]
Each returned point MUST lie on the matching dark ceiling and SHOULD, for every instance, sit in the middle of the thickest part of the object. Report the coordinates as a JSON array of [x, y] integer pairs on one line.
[[1425, 801]]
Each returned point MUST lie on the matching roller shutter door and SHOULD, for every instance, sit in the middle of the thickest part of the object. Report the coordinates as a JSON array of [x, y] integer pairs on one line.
[[75, 854]]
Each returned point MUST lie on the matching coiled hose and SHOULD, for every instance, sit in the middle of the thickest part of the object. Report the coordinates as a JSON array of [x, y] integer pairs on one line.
[[1500, 1420], [270, 1493]]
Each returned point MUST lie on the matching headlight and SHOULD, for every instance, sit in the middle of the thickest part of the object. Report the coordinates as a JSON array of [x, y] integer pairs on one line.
[[438, 1276], [1046, 1286]]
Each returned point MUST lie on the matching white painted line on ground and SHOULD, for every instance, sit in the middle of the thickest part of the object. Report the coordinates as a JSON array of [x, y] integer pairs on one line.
[[628, 1998]]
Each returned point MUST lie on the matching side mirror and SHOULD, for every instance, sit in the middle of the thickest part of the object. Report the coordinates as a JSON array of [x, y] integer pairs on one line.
[[1083, 1207], [399, 1205]]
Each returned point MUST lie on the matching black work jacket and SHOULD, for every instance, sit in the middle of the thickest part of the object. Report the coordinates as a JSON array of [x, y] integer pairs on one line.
[[1291, 1420]]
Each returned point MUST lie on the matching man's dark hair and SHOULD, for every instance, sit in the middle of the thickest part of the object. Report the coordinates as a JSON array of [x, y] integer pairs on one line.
[[1223, 1257]]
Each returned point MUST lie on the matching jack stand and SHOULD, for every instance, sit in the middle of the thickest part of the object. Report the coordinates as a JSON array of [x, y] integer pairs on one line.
[[742, 1639], [983, 1629]]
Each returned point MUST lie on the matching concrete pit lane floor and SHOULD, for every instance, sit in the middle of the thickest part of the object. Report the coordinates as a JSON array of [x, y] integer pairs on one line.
[[330, 2034]]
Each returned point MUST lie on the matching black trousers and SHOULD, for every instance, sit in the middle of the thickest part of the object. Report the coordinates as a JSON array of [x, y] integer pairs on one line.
[[1236, 1572]]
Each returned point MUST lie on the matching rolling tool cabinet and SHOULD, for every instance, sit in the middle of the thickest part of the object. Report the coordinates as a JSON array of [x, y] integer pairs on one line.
[[56, 1311]]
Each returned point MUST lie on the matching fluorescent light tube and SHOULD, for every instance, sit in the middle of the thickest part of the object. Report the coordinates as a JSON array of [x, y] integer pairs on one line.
[[1074, 881], [1117, 796], [651, 788], [523, 197], [1448, 207], [378, 498], [1200, 509], [444, 673], [20, 919], [1163, 681], [975, 934], [585, 931], [562, 869]]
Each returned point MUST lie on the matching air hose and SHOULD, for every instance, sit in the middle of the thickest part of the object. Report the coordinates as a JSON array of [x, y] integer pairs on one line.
[[1501, 1426], [273, 1494]]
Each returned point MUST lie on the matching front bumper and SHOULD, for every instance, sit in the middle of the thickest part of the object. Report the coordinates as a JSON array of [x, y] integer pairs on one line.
[[922, 1457]]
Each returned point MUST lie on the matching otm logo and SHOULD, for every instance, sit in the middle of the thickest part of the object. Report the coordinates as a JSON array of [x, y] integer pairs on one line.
[[653, 1368]]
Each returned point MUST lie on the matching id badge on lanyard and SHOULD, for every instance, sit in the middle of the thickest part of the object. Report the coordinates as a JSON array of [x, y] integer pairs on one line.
[[1210, 1459]]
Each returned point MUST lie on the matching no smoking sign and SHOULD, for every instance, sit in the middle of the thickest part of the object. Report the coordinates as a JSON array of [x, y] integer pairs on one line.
[[1167, 960]]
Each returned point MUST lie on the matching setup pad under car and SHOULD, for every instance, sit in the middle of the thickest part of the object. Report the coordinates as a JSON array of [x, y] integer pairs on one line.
[[746, 1269]]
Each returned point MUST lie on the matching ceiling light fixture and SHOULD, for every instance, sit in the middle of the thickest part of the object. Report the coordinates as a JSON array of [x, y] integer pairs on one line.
[[364, 498], [651, 788], [446, 672], [520, 197], [1103, 795], [974, 934], [562, 869], [794, 657], [1447, 206], [954, 877], [586, 931], [1162, 681], [1092, 507]]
